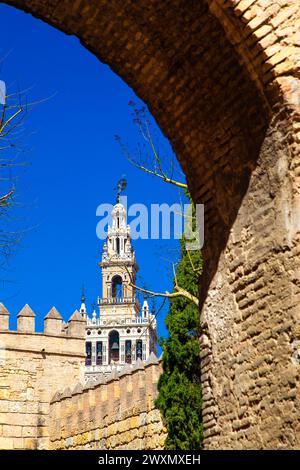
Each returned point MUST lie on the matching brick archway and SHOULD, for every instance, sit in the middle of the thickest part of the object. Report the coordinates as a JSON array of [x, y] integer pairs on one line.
[[221, 79]]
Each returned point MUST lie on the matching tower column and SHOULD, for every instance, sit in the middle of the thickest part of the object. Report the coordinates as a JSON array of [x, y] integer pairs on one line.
[[133, 345], [122, 351], [105, 351]]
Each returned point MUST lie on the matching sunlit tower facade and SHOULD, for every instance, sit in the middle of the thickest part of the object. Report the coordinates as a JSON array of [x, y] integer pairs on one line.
[[123, 331]]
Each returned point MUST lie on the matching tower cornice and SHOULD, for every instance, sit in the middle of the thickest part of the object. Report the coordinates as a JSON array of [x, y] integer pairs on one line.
[[119, 262]]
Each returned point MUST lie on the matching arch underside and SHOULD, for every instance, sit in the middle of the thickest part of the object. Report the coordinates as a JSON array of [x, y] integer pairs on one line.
[[177, 57], [179, 61]]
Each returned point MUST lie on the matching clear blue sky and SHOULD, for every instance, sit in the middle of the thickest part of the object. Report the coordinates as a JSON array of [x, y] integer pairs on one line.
[[73, 166]]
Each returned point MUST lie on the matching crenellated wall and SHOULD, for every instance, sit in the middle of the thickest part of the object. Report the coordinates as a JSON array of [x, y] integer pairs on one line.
[[113, 413], [32, 367]]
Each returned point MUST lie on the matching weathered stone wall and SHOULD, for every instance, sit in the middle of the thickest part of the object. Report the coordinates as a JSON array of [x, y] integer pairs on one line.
[[251, 314], [113, 413], [222, 79], [32, 367]]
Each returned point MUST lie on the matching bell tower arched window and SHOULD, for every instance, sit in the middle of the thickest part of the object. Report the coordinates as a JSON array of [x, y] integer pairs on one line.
[[114, 346], [128, 351], [99, 353], [88, 353], [139, 349], [117, 286]]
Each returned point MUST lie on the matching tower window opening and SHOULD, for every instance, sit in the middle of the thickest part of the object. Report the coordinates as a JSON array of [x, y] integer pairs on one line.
[[99, 353], [88, 353], [128, 351], [139, 349], [117, 287], [114, 346]]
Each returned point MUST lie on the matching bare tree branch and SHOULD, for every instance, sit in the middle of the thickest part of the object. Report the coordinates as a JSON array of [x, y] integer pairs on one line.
[[158, 168], [179, 291], [11, 117], [5, 198]]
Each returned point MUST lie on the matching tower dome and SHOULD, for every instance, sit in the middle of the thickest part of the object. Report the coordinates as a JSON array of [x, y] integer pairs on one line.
[[119, 208]]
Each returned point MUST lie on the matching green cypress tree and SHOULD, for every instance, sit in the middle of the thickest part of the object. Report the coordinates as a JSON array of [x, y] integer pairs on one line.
[[179, 398]]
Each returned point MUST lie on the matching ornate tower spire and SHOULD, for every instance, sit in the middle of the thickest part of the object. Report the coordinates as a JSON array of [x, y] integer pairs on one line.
[[119, 268]]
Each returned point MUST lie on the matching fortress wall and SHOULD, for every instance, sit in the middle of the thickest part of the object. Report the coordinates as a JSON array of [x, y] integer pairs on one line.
[[32, 367], [113, 413]]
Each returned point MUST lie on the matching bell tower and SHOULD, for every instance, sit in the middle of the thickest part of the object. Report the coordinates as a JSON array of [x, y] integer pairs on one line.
[[124, 332], [119, 269]]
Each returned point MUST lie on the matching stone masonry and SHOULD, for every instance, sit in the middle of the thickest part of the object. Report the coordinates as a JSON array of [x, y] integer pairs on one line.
[[32, 367], [222, 79], [116, 412]]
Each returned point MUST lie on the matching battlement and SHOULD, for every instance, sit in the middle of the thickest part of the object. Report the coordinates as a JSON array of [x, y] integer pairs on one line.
[[116, 412], [53, 323]]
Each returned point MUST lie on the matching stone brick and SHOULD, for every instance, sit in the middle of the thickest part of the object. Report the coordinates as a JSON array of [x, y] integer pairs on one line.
[[6, 443], [12, 431]]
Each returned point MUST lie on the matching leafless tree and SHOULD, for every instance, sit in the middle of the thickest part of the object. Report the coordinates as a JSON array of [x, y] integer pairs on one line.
[[12, 114], [149, 159], [178, 291], [147, 156]]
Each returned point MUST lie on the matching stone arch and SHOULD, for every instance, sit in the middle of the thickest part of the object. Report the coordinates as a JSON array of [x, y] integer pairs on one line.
[[221, 79]]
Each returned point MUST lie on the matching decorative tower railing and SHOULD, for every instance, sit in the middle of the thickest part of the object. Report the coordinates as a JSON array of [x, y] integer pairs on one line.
[[116, 300]]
